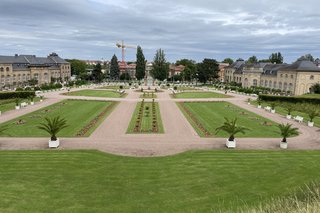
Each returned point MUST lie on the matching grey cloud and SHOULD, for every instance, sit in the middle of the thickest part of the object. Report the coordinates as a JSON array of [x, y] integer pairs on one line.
[[89, 29]]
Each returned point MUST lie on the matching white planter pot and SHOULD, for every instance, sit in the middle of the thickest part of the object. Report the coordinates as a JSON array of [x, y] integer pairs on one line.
[[41, 100], [259, 106], [231, 144], [289, 116], [54, 144], [249, 103], [32, 103], [310, 124], [283, 145], [17, 107], [273, 111]]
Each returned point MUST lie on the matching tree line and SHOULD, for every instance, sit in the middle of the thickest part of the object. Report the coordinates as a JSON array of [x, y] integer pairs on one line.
[[204, 71]]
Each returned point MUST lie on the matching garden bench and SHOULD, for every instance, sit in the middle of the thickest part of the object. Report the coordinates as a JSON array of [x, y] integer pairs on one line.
[[268, 109], [24, 104], [298, 118]]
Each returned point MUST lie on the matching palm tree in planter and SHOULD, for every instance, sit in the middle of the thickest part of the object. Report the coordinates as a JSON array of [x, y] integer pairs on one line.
[[230, 127], [32, 99], [273, 107], [286, 130], [17, 103], [259, 103], [312, 114], [53, 126], [289, 107]]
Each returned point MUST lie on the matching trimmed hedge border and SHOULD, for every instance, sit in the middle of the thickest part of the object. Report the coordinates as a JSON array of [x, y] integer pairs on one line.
[[289, 99], [16, 94]]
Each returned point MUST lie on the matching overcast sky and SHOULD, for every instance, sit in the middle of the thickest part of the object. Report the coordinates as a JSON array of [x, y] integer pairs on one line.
[[194, 29]]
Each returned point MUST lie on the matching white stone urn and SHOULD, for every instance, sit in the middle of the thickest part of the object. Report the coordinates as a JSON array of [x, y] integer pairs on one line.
[[259, 106], [310, 123], [283, 145], [231, 144], [54, 144], [289, 116], [17, 107], [31, 103], [273, 111]]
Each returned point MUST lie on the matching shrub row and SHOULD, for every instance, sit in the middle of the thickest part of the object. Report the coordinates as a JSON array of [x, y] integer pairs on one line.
[[16, 94], [289, 99]]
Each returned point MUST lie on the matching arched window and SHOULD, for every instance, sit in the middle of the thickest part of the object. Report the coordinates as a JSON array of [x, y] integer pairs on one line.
[[290, 86], [291, 76], [1, 69], [265, 83], [286, 76], [285, 85], [255, 82], [281, 75], [274, 84], [270, 84], [7, 69], [280, 85]]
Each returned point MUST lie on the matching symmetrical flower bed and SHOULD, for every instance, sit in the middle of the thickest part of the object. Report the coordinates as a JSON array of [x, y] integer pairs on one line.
[[146, 119], [94, 121], [195, 120]]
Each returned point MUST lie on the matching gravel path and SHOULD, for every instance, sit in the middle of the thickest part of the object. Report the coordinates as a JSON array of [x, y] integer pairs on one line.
[[179, 135]]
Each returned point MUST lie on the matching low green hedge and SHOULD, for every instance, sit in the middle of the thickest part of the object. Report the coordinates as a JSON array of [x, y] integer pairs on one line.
[[16, 94], [290, 99]]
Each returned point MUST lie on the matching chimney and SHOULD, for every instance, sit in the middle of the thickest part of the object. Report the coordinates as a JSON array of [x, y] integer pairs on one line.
[[16, 55]]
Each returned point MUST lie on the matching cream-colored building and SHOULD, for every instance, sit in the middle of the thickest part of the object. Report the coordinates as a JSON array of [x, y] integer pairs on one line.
[[296, 78], [19, 69]]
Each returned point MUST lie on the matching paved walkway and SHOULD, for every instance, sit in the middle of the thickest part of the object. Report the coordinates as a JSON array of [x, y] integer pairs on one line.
[[179, 135]]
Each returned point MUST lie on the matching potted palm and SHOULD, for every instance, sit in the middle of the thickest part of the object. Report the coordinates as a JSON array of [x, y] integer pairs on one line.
[[249, 101], [17, 103], [32, 99], [230, 127], [259, 103], [312, 114], [289, 108], [273, 107], [53, 126], [286, 130]]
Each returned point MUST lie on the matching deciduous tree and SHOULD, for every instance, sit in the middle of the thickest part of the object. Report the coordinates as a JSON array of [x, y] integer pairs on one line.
[[160, 67]]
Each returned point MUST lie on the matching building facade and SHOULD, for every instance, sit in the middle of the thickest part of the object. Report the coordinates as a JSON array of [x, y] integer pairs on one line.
[[296, 78], [18, 70]]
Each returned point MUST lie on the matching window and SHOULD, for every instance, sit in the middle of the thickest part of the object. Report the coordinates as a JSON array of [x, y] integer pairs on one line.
[[290, 86], [311, 77], [270, 84], [285, 85], [280, 85], [1, 69], [7, 69], [281, 75], [265, 83], [255, 82], [274, 85], [286, 76], [291, 76]]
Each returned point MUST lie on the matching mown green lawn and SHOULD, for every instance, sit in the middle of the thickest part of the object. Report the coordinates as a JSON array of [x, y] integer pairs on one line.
[[200, 95], [146, 123], [78, 114], [96, 93], [211, 115], [114, 87], [311, 96], [187, 88], [9, 104], [196, 181], [282, 111]]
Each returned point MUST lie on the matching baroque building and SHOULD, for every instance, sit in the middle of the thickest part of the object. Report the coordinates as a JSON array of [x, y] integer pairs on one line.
[[18, 70], [296, 78]]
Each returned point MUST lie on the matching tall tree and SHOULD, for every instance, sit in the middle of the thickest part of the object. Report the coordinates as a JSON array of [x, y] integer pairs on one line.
[[160, 67], [252, 60], [228, 61], [189, 70], [114, 68], [276, 58], [97, 74], [77, 67], [140, 64], [307, 57], [208, 69]]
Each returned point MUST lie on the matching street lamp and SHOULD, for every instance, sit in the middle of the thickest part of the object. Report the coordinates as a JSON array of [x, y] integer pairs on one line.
[[197, 79]]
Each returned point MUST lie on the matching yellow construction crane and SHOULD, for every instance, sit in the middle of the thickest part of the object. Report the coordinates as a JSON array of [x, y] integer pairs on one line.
[[123, 47]]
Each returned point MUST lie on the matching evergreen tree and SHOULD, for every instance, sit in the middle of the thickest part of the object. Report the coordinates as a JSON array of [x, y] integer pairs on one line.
[[114, 68], [97, 73], [160, 67], [228, 61], [252, 60], [276, 58], [207, 70], [140, 64]]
